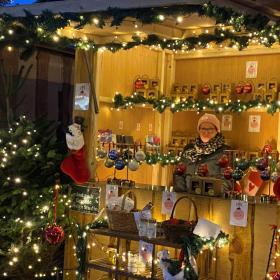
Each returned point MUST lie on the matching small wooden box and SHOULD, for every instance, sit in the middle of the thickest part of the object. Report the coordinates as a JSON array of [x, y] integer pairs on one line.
[[185, 90], [176, 90], [196, 185], [142, 92], [217, 89], [212, 186], [151, 93], [214, 97], [154, 84]]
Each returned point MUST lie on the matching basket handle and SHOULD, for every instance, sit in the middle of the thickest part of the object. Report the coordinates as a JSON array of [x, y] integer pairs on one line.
[[192, 202], [124, 197]]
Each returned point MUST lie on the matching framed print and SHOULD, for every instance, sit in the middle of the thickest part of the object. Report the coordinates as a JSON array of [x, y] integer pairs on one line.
[[224, 97], [254, 123], [195, 185], [272, 87], [193, 89], [226, 123], [185, 89], [251, 69], [154, 84], [141, 92], [214, 97], [81, 99], [150, 93], [176, 89], [217, 89], [212, 187], [226, 88], [252, 155]]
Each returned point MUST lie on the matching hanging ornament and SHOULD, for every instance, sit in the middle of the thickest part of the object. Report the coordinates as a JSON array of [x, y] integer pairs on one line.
[[267, 149], [180, 169], [113, 154], [242, 164], [239, 89], [223, 161], [265, 175], [237, 174], [274, 176], [261, 164], [54, 234], [133, 165], [202, 170], [206, 89], [119, 164], [140, 155], [228, 173], [109, 163], [247, 88], [101, 153]]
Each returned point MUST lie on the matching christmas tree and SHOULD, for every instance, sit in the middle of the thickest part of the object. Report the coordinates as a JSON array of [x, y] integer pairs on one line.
[[30, 155]]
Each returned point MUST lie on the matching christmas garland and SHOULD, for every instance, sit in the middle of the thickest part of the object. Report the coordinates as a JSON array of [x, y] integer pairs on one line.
[[163, 102], [31, 30]]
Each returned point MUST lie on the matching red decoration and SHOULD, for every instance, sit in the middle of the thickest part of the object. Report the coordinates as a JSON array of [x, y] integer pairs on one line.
[[223, 161], [138, 84], [228, 173], [180, 168], [275, 275], [202, 170], [54, 234], [76, 167], [267, 149], [206, 89], [239, 89], [247, 88]]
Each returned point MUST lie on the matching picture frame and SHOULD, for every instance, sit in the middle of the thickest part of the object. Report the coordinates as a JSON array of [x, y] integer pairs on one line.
[[252, 155], [176, 90], [141, 92], [145, 83], [194, 89], [191, 140], [272, 87], [269, 96], [226, 88], [151, 93], [195, 186], [212, 187], [224, 97], [179, 141], [214, 97], [154, 84], [217, 89], [261, 88], [258, 95], [185, 90]]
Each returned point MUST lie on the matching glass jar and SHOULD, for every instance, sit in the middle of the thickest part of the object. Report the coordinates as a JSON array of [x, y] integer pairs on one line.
[[151, 228]]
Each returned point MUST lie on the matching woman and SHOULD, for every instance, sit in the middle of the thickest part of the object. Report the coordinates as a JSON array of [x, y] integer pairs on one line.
[[201, 158]]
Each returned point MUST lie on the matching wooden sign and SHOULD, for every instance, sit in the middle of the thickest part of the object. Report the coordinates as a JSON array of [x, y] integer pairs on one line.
[[85, 199]]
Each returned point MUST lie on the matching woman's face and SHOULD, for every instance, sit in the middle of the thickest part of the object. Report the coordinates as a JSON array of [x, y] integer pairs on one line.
[[207, 131]]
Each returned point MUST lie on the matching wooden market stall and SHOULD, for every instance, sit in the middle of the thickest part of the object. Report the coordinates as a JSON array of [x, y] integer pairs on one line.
[[180, 74]]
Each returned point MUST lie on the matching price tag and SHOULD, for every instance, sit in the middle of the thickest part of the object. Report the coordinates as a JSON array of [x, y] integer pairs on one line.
[[238, 213], [168, 201]]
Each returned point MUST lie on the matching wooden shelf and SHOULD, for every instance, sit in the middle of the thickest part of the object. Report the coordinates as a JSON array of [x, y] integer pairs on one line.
[[135, 237], [105, 266]]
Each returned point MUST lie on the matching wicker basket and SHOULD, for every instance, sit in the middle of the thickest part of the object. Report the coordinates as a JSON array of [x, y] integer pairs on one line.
[[174, 232], [121, 220]]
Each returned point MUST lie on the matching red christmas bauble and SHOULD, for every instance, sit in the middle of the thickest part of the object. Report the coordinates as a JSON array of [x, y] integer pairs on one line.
[[267, 149], [138, 84], [54, 234], [223, 161], [228, 173], [275, 275], [180, 168], [205, 89], [247, 88], [239, 89]]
